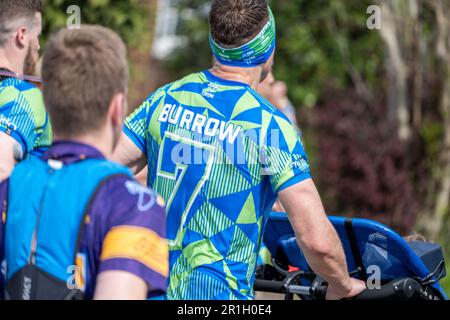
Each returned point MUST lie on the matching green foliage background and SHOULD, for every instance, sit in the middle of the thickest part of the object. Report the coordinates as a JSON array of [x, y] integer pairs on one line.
[[312, 49], [128, 18], [132, 19]]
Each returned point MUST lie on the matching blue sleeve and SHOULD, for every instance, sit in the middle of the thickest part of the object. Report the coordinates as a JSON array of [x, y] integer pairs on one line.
[[10, 125], [136, 126], [3, 204], [285, 159], [22, 111]]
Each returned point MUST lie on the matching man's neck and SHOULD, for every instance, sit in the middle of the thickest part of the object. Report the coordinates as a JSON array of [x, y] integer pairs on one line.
[[9, 62], [94, 140], [250, 76]]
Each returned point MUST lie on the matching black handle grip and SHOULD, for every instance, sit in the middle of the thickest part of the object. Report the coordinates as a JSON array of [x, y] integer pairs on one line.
[[319, 292], [398, 289], [385, 292], [269, 286]]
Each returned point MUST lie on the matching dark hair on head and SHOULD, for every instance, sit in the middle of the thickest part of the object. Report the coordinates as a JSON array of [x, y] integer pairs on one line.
[[234, 22], [11, 10]]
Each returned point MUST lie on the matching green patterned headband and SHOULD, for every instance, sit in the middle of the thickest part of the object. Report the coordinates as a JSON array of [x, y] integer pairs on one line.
[[257, 51]]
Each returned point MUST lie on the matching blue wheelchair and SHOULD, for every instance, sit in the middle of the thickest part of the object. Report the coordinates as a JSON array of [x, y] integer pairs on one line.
[[404, 270]]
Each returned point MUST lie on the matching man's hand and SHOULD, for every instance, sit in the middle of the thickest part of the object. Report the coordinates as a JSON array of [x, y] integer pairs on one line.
[[356, 287]]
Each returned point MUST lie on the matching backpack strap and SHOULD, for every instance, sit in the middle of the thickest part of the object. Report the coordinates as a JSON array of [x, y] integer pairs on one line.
[[75, 293], [88, 208], [5, 74]]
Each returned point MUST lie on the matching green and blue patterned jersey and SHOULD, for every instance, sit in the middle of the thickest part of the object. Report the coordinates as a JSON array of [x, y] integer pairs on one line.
[[23, 115], [218, 154]]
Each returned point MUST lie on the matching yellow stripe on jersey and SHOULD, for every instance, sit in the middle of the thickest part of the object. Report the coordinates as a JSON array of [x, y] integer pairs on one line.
[[4, 212], [137, 243], [80, 275]]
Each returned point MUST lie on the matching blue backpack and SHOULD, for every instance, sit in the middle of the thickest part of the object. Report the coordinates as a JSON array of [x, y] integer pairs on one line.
[[47, 207]]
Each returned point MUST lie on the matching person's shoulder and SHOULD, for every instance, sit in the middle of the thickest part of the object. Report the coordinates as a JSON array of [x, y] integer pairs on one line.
[[269, 110], [123, 195], [190, 79], [20, 86], [197, 77], [159, 95], [31, 95], [264, 103]]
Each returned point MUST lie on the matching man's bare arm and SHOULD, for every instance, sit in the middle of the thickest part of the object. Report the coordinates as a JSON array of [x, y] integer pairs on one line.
[[318, 239], [120, 285], [129, 155], [7, 160]]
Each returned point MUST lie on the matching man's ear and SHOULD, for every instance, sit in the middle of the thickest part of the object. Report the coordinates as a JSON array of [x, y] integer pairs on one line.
[[117, 109], [267, 67], [21, 37]]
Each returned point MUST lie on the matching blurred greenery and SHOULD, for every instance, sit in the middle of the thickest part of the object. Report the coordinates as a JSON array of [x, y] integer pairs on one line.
[[128, 18], [313, 45], [446, 282], [132, 19]]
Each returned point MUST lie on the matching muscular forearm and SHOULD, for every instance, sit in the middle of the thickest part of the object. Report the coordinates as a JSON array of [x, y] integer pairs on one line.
[[326, 257], [315, 234]]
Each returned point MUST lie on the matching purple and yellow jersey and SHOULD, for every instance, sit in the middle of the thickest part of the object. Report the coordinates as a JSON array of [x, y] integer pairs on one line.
[[218, 153], [123, 230], [23, 115]]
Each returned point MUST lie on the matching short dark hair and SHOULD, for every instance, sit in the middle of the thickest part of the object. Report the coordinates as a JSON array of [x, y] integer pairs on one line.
[[82, 70], [11, 10], [234, 22]]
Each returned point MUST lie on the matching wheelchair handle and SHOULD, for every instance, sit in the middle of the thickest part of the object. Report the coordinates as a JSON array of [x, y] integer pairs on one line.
[[280, 287], [398, 289]]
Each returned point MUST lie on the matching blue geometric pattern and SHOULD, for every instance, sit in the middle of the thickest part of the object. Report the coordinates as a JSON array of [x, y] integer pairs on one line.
[[218, 203], [23, 115]]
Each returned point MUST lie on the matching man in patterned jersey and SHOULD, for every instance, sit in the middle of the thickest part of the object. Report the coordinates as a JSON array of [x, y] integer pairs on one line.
[[24, 123], [73, 224], [219, 154]]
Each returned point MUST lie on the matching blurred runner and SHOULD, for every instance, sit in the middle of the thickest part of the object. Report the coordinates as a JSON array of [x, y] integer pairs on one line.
[[75, 225], [276, 92], [219, 154], [24, 124]]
